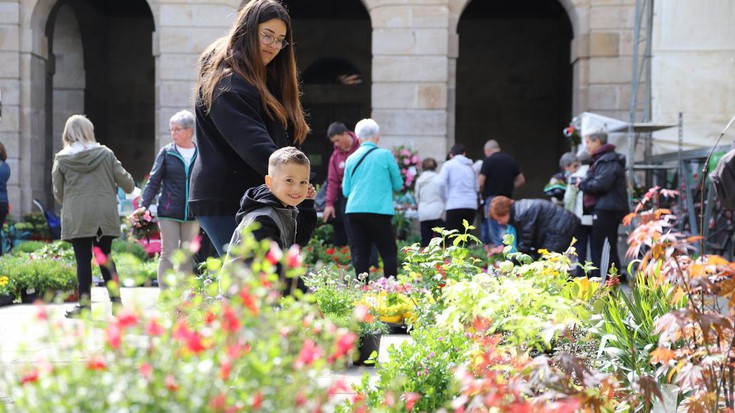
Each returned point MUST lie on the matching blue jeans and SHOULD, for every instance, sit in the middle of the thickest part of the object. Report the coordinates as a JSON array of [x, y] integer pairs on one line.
[[219, 229], [491, 232]]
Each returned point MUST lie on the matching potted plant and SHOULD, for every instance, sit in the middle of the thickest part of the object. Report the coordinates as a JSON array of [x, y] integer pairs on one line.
[[7, 291], [369, 345]]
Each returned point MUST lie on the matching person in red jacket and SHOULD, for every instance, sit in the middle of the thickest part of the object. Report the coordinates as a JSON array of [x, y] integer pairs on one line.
[[345, 143]]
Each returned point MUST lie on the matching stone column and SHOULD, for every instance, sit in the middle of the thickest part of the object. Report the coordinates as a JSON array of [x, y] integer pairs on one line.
[[184, 30], [10, 87], [411, 67]]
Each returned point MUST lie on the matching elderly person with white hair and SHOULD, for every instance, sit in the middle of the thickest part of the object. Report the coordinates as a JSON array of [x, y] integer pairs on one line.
[[371, 175], [170, 176], [605, 197]]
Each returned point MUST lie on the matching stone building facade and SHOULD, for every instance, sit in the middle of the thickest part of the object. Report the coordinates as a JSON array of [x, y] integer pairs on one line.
[[432, 73]]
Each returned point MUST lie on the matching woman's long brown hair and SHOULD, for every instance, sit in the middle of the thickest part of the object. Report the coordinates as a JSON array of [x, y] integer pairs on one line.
[[239, 51]]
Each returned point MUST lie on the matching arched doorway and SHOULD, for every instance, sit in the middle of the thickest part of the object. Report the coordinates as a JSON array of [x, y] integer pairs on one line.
[[514, 83], [334, 52], [100, 63]]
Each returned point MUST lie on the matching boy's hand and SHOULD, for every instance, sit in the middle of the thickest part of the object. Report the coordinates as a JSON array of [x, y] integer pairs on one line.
[[311, 193]]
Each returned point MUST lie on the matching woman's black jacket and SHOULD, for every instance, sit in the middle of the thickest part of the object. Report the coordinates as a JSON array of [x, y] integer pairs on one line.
[[541, 224], [170, 175]]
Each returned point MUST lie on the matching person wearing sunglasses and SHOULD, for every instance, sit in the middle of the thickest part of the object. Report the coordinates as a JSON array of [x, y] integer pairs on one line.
[[247, 106]]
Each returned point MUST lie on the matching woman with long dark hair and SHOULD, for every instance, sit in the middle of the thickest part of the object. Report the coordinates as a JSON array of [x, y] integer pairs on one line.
[[247, 107]]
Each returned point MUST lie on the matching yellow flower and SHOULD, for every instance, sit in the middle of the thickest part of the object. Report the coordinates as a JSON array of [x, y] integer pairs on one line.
[[4, 281]]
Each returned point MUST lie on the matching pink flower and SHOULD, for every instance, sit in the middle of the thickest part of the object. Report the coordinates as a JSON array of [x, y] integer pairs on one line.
[[415, 159], [345, 343], [274, 254], [230, 322], [406, 161], [293, 258], [146, 370], [310, 352], [113, 334], [195, 244], [362, 314], [153, 328], [171, 384], [99, 256]]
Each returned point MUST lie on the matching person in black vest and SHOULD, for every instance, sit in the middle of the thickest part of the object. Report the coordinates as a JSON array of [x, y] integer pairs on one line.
[[606, 197], [247, 106]]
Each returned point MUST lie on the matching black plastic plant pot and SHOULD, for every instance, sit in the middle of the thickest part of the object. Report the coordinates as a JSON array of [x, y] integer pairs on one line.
[[28, 296], [6, 299], [368, 350]]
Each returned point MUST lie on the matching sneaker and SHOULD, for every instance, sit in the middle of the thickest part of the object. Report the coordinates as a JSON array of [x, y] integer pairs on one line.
[[77, 311]]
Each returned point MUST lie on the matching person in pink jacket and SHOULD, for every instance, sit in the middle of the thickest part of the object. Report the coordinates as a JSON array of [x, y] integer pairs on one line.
[[345, 143]]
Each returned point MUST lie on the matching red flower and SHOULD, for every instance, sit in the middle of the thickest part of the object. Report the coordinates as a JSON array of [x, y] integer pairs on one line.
[[30, 377], [192, 339], [96, 364], [258, 400], [153, 328], [330, 251], [99, 256], [248, 300], [362, 314], [411, 399], [41, 314], [345, 343], [230, 322], [218, 403], [300, 399], [127, 319], [225, 368]]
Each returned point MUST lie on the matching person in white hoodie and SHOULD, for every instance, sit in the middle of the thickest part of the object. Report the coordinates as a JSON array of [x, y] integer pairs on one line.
[[429, 200], [459, 188]]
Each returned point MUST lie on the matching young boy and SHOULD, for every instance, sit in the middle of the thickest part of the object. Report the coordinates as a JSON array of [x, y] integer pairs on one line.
[[273, 205]]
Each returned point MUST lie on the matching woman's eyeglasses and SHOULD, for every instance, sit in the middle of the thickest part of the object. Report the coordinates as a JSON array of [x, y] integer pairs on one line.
[[269, 39]]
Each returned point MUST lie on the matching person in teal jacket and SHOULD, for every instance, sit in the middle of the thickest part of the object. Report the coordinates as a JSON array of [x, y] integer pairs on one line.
[[371, 176]]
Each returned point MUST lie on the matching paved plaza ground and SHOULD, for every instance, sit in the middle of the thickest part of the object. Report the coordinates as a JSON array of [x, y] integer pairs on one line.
[[19, 332]]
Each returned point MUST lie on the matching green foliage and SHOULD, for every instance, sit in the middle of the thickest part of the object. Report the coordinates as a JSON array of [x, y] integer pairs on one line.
[[404, 228], [133, 271], [626, 328], [40, 273], [29, 246], [419, 371], [131, 247]]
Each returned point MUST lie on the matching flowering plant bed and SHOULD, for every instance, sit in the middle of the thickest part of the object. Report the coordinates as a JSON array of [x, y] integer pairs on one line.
[[408, 161]]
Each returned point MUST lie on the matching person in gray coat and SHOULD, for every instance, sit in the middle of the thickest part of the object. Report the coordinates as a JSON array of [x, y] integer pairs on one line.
[[85, 176]]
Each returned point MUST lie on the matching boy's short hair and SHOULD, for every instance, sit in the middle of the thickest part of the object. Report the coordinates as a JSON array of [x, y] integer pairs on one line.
[[288, 154], [336, 128]]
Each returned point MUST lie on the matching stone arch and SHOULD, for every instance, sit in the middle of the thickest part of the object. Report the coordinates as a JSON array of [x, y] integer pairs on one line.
[[38, 126], [456, 7], [514, 82]]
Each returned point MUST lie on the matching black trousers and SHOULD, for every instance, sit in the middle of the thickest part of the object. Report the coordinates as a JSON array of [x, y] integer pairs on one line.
[[426, 233], [339, 223], [582, 234], [83, 254], [367, 229], [605, 227], [3, 214], [455, 217]]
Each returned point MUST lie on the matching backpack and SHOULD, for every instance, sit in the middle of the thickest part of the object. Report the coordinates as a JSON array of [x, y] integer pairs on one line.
[[723, 180]]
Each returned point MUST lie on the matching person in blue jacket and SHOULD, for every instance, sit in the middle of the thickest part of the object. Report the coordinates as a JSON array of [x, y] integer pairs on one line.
[[170, 176], [371, 176], [4, 203]]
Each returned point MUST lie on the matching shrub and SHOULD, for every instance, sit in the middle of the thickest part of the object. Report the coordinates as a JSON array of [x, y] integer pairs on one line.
[[131, 247], [254, 351], [29, 246]]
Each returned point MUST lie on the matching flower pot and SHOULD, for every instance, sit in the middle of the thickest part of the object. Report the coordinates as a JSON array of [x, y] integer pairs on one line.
[[369, 343], [6, 299], [28, 295]]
